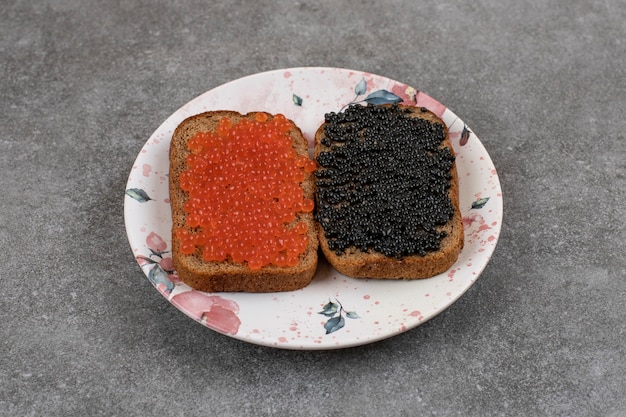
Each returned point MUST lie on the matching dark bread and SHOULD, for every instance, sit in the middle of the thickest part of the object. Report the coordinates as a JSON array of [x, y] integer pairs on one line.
[[371, 264], [228, 275]]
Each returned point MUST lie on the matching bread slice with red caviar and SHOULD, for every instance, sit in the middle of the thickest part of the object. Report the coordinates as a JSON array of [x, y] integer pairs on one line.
[[289, 269], [359, 256]]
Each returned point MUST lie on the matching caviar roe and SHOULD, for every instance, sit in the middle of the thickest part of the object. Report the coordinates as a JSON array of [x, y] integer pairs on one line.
[[383, 182], [244, 193]]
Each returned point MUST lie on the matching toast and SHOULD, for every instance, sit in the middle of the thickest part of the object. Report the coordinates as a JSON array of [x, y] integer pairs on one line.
[[370, 180], [223, 273]]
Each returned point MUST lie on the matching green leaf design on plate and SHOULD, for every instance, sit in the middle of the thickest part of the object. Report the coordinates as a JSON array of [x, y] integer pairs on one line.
[[352, 315], [335, 311], [465, 135], [329, 309], [334, 324], [157, 276], [361, 87], [382, 97], [480, 203], [138, 194], [297, 100]]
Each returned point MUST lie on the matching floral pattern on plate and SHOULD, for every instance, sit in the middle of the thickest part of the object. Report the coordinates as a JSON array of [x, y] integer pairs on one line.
[[313, 317]]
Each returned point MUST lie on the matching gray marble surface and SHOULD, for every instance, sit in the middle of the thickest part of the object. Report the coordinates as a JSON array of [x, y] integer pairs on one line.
[[84, 84]]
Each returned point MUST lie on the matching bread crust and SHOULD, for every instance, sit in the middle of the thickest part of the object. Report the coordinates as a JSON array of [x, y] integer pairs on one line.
[[228, 275], [358, 264]]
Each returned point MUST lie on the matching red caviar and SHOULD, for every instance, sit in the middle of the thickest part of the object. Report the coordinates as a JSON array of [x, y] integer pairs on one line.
[[243, 184]]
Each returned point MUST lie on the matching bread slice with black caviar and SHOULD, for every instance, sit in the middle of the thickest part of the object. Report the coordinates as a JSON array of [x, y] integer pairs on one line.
[[228, 275], [344, 188]]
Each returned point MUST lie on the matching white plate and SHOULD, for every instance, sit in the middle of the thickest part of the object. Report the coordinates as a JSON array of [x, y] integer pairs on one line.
[[357, 311]]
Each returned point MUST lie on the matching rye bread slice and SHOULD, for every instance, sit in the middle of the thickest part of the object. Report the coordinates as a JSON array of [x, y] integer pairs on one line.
[[228, 275], [356, 263]]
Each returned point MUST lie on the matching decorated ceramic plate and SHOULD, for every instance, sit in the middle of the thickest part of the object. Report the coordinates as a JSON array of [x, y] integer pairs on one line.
[[334, 311]]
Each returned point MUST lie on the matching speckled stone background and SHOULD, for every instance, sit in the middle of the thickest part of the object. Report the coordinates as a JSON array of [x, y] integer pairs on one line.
[[83, 85]]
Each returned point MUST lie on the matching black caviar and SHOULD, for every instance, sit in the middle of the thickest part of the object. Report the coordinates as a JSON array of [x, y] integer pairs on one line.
[[383, 181]]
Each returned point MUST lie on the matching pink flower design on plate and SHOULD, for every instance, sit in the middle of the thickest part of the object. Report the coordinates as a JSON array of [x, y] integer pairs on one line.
[[468, 221], [156, 243], [215, 312], [161, 272]]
